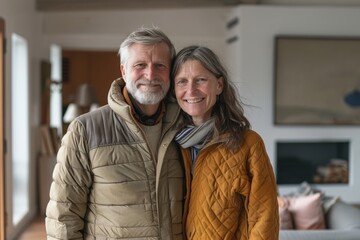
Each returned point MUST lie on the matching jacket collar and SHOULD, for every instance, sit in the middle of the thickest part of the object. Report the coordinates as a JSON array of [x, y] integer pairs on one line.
[[118, 104], [139, 115]]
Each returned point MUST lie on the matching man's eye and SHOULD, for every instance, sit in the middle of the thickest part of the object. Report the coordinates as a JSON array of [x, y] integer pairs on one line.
[[160, 66], [140, 65]]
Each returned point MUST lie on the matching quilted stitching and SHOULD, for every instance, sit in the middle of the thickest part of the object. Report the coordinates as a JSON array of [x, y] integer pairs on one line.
[[233, 196]]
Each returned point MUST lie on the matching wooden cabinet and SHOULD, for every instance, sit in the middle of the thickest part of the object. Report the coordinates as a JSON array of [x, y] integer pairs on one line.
[[97, 68]]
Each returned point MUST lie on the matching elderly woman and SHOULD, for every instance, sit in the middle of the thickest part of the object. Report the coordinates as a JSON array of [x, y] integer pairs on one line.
[[231, 189]]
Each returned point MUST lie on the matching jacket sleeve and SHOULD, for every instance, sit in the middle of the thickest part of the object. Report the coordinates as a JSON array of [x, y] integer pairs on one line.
[[70, 187], [262, 205]]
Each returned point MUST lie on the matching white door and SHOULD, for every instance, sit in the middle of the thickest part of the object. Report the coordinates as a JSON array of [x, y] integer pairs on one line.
[[17, 132], [2, 165]]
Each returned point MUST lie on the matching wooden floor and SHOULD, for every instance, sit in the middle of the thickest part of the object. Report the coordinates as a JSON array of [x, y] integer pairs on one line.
[[36, 231]]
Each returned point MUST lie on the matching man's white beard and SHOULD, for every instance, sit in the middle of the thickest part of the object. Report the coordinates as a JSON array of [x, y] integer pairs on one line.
[[148, 98]]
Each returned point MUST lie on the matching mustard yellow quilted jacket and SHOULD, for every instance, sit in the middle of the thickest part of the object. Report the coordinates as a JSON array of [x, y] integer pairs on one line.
[[231, 195]]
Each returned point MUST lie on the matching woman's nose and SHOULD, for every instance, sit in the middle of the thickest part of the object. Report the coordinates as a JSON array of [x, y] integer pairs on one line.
[[192, 87]]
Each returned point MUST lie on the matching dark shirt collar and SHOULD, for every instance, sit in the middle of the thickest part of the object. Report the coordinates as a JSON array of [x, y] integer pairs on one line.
[[139, 115]]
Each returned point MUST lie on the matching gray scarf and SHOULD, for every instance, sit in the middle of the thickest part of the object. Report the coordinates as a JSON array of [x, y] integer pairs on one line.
[[195, 137]]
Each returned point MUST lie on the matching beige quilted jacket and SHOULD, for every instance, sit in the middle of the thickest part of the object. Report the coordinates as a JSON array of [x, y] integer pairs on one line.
[[106, 184], [232, 195]]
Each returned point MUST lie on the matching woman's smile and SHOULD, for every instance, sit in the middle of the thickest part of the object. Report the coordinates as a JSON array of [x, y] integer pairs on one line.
[[196, 90]]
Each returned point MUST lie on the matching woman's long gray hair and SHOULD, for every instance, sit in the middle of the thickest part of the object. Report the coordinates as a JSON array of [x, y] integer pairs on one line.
[[228, 110]]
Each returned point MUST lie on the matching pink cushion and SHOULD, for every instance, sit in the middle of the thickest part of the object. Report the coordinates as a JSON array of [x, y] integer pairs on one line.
[[307, 211]]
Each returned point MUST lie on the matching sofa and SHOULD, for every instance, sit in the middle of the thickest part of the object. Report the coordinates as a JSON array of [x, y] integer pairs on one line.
[[308, 214], [342, 223]]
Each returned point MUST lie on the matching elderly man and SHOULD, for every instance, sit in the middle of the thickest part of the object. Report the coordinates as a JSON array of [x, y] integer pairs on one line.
[[118, 173]]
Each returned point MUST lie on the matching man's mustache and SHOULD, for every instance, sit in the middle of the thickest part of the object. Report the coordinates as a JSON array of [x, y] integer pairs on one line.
[[149, 82]]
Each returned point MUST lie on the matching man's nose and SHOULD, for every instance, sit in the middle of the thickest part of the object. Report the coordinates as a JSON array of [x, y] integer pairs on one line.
[[150, 72]]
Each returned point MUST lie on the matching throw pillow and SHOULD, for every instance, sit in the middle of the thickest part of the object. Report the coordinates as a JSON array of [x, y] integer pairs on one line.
[[307, 212], [285, 218]]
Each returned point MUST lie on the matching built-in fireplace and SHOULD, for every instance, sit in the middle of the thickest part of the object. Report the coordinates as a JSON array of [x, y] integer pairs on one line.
[[318, 162]]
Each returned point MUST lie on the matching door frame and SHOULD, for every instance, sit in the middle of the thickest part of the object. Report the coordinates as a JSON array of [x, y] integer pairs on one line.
[[2, 159]]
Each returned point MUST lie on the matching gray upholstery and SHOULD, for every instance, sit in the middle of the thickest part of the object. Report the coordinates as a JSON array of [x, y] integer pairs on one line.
[[343, 221], [343, 216], [320, 234]]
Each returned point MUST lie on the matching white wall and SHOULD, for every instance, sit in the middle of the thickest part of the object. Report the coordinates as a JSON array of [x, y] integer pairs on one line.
[[254, 76], [106, 29], [250, 59], [21, 18], [92, 30]]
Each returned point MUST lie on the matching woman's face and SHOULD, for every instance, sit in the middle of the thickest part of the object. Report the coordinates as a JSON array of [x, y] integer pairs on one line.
[[196, 90]]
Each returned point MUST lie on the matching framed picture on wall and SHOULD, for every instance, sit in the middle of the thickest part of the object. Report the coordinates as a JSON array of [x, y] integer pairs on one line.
[[317, 80]]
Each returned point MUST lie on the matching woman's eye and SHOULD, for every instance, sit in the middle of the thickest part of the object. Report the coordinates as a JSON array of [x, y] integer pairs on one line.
[[180, 82], [201, 80]]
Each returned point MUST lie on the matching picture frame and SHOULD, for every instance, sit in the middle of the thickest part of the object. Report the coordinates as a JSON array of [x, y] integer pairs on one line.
[[316, 80]]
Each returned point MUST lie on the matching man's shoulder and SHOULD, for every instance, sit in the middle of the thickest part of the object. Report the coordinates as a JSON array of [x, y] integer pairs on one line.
[[99, 114], [105, 127]]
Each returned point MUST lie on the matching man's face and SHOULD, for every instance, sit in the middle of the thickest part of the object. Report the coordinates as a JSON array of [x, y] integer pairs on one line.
[[147, 72]]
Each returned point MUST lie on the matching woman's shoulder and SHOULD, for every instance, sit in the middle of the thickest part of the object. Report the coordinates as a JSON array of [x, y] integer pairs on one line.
[[251, 134], [251, 137]]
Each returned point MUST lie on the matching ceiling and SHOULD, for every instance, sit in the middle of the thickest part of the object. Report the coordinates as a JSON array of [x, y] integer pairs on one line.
[[60, 5], [49, 5]]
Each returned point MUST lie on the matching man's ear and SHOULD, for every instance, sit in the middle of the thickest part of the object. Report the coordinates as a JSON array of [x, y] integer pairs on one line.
[[122, 70]]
